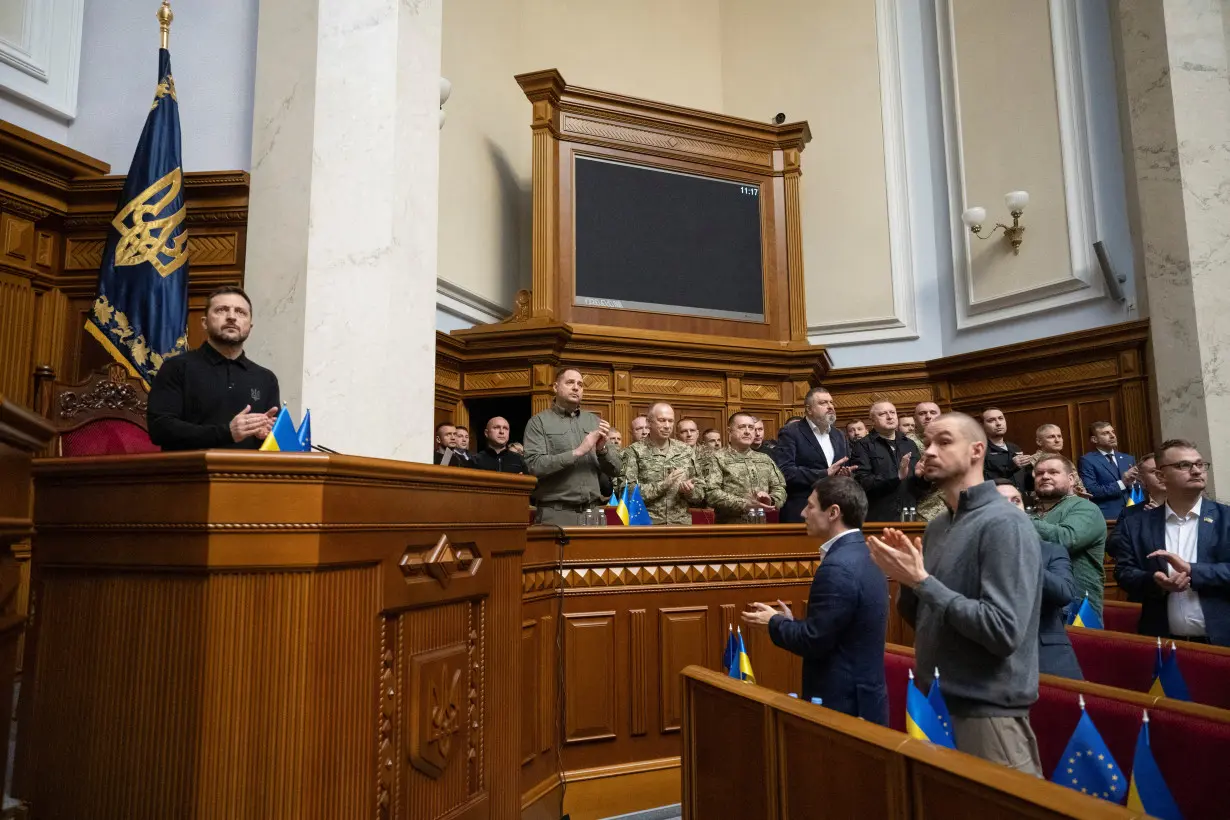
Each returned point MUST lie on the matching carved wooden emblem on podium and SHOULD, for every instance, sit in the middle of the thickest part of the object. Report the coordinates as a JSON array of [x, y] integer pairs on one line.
[[443, 562], [438, 690]]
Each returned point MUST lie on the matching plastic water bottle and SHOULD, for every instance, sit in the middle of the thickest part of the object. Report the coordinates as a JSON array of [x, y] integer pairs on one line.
[[794, 695], [760, 516], [818, 701], [587, 518]]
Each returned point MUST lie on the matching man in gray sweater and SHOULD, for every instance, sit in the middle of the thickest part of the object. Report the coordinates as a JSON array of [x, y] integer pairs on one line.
[[971, 590]]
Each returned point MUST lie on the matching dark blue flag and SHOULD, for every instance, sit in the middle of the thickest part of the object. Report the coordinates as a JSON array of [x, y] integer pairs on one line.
[[141, 313]]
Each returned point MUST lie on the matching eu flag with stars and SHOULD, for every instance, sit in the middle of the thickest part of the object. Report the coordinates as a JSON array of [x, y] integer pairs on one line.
[[1087, 765], [141, 312]]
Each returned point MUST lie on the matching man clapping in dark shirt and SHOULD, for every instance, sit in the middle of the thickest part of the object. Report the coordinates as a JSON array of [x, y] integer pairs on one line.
[[215, 396], [496, 456]]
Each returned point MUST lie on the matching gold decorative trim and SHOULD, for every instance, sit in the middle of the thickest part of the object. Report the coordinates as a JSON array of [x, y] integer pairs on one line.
[[670, 574], [21, 207]]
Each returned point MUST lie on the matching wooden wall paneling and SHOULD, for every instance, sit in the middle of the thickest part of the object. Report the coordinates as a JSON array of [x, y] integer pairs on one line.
[[1024, 421], [638, 673], [1135, 436], [589, 659], [730, 750], [531, 669], [548, 680], [1098, 408], [727, 619], [683, 641], [818, 764], [16, 332]]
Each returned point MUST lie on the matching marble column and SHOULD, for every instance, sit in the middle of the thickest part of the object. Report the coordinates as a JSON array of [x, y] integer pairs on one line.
[[341, 258], [1175, 100]]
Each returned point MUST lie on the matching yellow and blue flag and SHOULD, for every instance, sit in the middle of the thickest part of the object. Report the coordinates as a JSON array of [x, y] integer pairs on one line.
[[284, 438], [621, 509], [742, 662], [936, 699], [1147, 791], [921, 721], [1136, 495], [1167, 679], [140, 314], [1087, 616], [1087, 766], [638, 514]]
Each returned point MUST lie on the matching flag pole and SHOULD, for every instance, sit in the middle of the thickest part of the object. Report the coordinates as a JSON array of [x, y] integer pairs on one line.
[[165, 16]]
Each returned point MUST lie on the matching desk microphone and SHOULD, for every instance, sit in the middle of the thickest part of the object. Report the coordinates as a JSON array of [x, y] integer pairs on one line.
[[326, 450]]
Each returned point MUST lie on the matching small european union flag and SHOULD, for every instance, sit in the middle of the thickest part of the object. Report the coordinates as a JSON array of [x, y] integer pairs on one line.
[[638, 514], [140, 315], [921, 721], [1147, 790], [1087, 765], [936, 699]]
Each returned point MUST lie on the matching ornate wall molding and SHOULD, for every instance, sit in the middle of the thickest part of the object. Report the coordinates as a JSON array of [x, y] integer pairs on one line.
[[40, 63], [620, 577]]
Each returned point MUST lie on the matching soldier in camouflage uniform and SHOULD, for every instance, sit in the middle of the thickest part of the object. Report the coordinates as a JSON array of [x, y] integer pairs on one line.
[[741, 479], [931, 504], [665, 469]]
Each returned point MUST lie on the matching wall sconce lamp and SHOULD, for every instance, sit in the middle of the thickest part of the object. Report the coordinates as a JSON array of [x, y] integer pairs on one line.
[[1016, 202]]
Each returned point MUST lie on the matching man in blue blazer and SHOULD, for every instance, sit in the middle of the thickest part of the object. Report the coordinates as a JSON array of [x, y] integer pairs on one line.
[[841, 640], [1107, 473], [1175, 559], [808, 451]]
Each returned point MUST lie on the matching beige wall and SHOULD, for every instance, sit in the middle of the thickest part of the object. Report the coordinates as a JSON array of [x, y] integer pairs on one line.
[[666, 50], [1009, 124], [817, 60]]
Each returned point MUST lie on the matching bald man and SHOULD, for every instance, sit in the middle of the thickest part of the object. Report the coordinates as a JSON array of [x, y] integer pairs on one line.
[[888, 467], [666, 470], [496, 456], [971, 588]]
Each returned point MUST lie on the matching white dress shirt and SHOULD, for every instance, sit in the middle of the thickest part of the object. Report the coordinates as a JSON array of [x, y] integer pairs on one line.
[[822, 438], [1114, 459], [827, 545], [1183, 608]]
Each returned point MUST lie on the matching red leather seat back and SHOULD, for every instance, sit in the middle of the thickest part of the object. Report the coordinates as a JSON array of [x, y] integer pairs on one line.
[[612, 516], [1128, 664], [106, 437], [897, 675], [1121, 616], [701, 516]]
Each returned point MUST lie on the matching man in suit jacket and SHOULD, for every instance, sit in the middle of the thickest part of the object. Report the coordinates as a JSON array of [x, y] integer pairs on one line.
[[1175, 559], [841, 640], [1107, 473], [1055, 653], [808, 451]]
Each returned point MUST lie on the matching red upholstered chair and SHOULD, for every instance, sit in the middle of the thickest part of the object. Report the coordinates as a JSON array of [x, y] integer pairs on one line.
[[897, 666], [1121, 616], [103, 415], [701, 515], [1126, 661], [612, 517], [772, 517]]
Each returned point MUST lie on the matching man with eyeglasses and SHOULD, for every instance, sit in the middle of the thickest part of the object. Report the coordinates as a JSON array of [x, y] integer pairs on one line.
[[1175, 559]]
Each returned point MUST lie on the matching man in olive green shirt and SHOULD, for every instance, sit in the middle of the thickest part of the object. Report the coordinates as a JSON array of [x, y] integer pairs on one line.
[[665, 469], [741, 479], [566, 448], [1065, 518]]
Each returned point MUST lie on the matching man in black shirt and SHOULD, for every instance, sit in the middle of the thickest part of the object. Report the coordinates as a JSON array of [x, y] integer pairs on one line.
[[215, 396], [496, 456], [888, 466], [1004, 459]]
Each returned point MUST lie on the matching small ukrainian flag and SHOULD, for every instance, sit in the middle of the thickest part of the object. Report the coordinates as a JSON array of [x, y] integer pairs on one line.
[[621, 509], [921, 721], [284, 438], [1167, 679], [1087, 616], [1147, 790], [745, 663]]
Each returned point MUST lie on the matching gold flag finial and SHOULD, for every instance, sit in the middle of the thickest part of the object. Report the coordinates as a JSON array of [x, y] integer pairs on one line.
[[165, 16]]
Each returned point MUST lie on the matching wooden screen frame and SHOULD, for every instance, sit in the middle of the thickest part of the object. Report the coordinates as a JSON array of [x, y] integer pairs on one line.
[[569, 122]]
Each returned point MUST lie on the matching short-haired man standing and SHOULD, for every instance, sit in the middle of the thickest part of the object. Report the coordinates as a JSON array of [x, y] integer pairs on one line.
[[971, 588], [1075, 523], [1055, 653], [1175, 559], [665, 469], [741, 479], [567, 449], [711, 438], [841, 640], [1106, 472], [640, 429], [888, 466], [447, 451], [1004, 459], [1049, 439], [463, 438], [215, 396], [856, 430], [759, 443], [809, 451], [688, 432], [925, 412], [496, 456]]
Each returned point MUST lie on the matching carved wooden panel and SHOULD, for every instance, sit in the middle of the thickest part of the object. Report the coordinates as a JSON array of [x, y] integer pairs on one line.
[[16, 338], [548, 678], [1087, 412], [643, 137], [83, 254], [531, 667], [638, 672], [1046, 378], [856, 405], [436, 729], [448, 378], [600, 382], [683, 640], [662, 387], [212, 249], [590, 669], [17, 238], [761, 390], [497, 379]]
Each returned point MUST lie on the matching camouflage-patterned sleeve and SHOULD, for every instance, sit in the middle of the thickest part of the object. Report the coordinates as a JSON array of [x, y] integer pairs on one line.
[[632, 470], [697, 496], [777, 485], [716, 496]]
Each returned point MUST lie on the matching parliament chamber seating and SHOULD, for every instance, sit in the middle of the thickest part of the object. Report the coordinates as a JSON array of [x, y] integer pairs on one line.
[[750, 752], [1126, 662], [102, 415], [1191, 742], [1120, 616]]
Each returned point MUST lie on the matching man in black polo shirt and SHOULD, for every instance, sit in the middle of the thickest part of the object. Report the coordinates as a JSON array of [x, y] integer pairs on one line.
[[496, 456], [215, 396]]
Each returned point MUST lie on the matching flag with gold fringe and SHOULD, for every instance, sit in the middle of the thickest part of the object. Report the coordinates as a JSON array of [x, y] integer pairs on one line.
[[140, 312]]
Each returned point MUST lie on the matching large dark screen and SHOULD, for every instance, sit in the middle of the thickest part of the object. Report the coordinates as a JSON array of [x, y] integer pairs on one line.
[[662, 241]]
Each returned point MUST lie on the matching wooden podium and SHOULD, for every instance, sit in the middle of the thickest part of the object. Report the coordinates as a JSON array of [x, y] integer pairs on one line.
[[258, 635]]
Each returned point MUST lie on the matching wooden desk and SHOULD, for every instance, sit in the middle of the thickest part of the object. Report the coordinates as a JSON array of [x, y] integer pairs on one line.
[[261, 635], [22, 434], [638, 605]]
